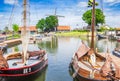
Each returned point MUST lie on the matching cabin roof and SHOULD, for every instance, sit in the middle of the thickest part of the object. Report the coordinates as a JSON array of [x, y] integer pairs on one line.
[[118, 28], [63, 28], [31, 28]]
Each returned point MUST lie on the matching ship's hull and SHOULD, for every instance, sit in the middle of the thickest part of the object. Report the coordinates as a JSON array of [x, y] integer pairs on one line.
[[23, 72], [116, 53], [79, 77]]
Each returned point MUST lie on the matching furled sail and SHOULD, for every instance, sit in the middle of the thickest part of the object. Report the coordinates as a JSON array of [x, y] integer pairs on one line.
[[117, 69], [106, 69], [82, 50]]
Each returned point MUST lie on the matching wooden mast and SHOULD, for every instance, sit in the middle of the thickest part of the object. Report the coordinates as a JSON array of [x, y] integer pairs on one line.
[[24, 16], [93, 24], [24, 41]]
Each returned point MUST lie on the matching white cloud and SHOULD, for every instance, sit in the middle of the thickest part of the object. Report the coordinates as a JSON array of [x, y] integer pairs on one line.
[[10, 1], [113, 21], [1, 16], [112, 2], [82, 4], [109, 1], [73, 14]]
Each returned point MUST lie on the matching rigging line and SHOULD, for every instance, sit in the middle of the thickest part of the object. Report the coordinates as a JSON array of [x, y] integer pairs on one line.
[[36, 12], [12, 15]]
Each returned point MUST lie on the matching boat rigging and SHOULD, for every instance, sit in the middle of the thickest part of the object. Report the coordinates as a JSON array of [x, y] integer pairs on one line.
[[25, 62]]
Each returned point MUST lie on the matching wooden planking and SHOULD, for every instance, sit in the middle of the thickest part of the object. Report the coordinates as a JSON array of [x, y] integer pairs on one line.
[[114, 58]]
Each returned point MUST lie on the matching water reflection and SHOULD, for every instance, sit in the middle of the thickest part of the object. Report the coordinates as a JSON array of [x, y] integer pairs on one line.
[[49, 45], [60, 51], [42, 76]]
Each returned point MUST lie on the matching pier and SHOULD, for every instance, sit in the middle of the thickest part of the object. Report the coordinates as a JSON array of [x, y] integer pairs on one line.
[[11, 42]]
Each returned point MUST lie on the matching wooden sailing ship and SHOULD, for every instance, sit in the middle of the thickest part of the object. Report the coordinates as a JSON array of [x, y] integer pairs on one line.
[[89, 65], [23, 63]]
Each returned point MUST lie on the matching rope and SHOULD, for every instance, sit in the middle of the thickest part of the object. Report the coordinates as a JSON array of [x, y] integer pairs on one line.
[[12, 15]]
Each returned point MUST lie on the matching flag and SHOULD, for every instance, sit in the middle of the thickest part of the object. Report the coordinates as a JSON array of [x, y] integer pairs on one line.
[[91, 1]]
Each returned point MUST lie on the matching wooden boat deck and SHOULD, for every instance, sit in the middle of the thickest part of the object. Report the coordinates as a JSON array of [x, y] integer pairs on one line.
[[11, 61], [115, 58], [29, 62], [86, 69]]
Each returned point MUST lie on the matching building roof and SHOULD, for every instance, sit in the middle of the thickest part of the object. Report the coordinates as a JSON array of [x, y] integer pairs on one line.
[[31, 28], [63, 28], [118, 28]]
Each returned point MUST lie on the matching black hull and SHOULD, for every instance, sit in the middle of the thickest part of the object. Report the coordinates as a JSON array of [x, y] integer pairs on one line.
[[25, 78], [101, 36], [24, 71], [81, 78], [116, 53]]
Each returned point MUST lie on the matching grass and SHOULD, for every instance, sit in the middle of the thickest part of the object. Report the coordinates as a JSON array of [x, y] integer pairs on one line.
[[13, 36], [72, 33]]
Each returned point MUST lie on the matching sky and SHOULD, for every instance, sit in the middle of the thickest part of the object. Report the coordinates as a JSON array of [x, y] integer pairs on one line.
[[72, 10]]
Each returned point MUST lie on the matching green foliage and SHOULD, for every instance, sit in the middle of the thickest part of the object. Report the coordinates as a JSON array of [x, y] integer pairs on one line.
[[51, 22], [103, 28], [15, 27], [111, 29], [41, 24], [6, 29], [80, 30], [47, 24], [16, 48], [99, 17]]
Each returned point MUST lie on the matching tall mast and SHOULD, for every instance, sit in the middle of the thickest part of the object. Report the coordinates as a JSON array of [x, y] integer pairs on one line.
[[24, 16], [24, 34], [93, 24]]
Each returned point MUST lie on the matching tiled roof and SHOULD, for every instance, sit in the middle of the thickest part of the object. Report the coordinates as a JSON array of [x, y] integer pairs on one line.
[[62, 28], [31, 28], [117, 28]]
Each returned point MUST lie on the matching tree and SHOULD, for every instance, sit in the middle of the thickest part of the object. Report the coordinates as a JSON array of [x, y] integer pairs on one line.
[[99, 17], [6, 30], [47, 24], [41, 24], [15, 28], [51, 23]]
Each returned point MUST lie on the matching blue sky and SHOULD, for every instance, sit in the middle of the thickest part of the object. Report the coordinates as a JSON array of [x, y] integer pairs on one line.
[[71, 9]]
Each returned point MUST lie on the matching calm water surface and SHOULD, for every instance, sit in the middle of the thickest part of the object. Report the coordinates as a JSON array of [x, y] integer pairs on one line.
[[60, 51]]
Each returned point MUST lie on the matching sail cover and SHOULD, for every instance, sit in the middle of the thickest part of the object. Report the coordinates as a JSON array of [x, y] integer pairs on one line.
[[117, 67], [82, 50], [106, 69]]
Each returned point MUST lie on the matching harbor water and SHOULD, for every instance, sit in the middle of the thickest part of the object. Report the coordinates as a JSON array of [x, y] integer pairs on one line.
[[60, 51]]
